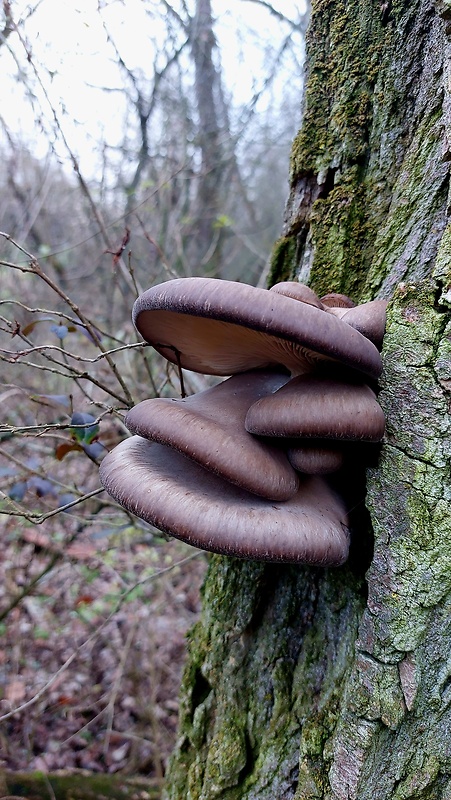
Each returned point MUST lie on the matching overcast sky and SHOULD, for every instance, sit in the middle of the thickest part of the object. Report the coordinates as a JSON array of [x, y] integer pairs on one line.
[[67, 39]]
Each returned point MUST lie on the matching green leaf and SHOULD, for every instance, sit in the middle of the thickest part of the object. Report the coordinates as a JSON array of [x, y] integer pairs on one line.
[[86, 434], [223, 221]]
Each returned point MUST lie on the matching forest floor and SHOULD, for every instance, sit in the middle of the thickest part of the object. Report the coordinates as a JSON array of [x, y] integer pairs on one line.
[[91, 656]]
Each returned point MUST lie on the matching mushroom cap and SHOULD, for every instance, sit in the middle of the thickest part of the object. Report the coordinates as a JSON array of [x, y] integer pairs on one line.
[[298, 291], [209, 428], [336, 300], [179, 497], [315, 457], [325, 408], [368, 318], [222, 327]]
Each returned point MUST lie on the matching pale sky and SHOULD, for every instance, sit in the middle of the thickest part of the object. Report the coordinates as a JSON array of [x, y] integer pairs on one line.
[[69, 40]]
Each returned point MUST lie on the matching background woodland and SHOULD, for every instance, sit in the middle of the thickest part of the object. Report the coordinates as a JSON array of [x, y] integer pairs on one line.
[[189, 177]]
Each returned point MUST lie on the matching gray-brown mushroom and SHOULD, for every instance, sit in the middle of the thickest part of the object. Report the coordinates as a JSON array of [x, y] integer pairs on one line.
[[298, 291], [202, 468], [316, 457], [179, 497], [222, 327], [320, 407], [368, 318], [208, 427], [336, 300]]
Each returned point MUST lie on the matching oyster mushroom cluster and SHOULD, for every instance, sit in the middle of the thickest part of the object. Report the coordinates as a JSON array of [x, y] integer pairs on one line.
[[241, 468]]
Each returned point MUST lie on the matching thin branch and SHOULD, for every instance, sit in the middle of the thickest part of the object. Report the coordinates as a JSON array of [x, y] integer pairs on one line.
[[42, 348], [40, 473], [26, 591], [185, 26], [72, 374], [47, 427], [52, 312], [37, 270], [38, 519], [116, 684], [296, 26]]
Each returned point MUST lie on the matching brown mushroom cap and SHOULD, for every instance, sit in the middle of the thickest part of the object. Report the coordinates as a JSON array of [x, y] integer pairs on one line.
[[368, 318], [315, 457], [326, 408], [209, 428], [298, 291], [336, 300], [221, 328], [179, 497]]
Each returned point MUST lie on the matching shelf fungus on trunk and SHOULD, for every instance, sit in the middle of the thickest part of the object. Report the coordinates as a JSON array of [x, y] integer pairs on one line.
[[178, 496], [221, 327], [309, 411], [321, 407], [238, 469], [368, 318], [208, 427]]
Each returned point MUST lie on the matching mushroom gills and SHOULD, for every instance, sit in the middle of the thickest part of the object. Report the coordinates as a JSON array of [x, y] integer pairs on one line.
[[221, 327]]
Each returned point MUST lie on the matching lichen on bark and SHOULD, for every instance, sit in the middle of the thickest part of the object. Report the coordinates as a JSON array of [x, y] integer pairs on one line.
[[397, 687]]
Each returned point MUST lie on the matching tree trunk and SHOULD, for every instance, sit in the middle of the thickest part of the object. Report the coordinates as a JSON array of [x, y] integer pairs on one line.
[[210, 139], [310, 683]]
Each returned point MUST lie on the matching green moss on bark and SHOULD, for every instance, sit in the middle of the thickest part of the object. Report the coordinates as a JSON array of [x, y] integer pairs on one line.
[[375, 155], [268, 634], [398, 681], [283, 260]]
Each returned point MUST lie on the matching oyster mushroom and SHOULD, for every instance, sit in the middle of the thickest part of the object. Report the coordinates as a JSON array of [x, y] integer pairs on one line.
[[319, 407], [181, 498], [208, 427], [316, 457], [220, 328], [336, 300], [368, 318], [298, 291]]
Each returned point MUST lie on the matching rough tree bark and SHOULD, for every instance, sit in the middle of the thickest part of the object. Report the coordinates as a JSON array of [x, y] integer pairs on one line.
[[310, 683]]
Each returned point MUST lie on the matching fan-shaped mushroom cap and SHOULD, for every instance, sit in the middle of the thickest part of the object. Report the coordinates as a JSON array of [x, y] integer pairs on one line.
[[179, 497], [336, 300], [209, 428], [315, 457], [325, 408], [368, 318], [298, 291], [221, 328]]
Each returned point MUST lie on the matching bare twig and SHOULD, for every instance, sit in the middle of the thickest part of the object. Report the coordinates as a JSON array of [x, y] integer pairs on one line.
[[38, 519], [18, 354], [36, 269]]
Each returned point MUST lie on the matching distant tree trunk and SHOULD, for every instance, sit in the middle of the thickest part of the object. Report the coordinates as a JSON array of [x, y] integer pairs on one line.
[[205, 245], [336, 684]]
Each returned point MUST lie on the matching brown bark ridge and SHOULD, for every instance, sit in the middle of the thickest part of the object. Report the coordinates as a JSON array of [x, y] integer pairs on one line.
[[336, 684]]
